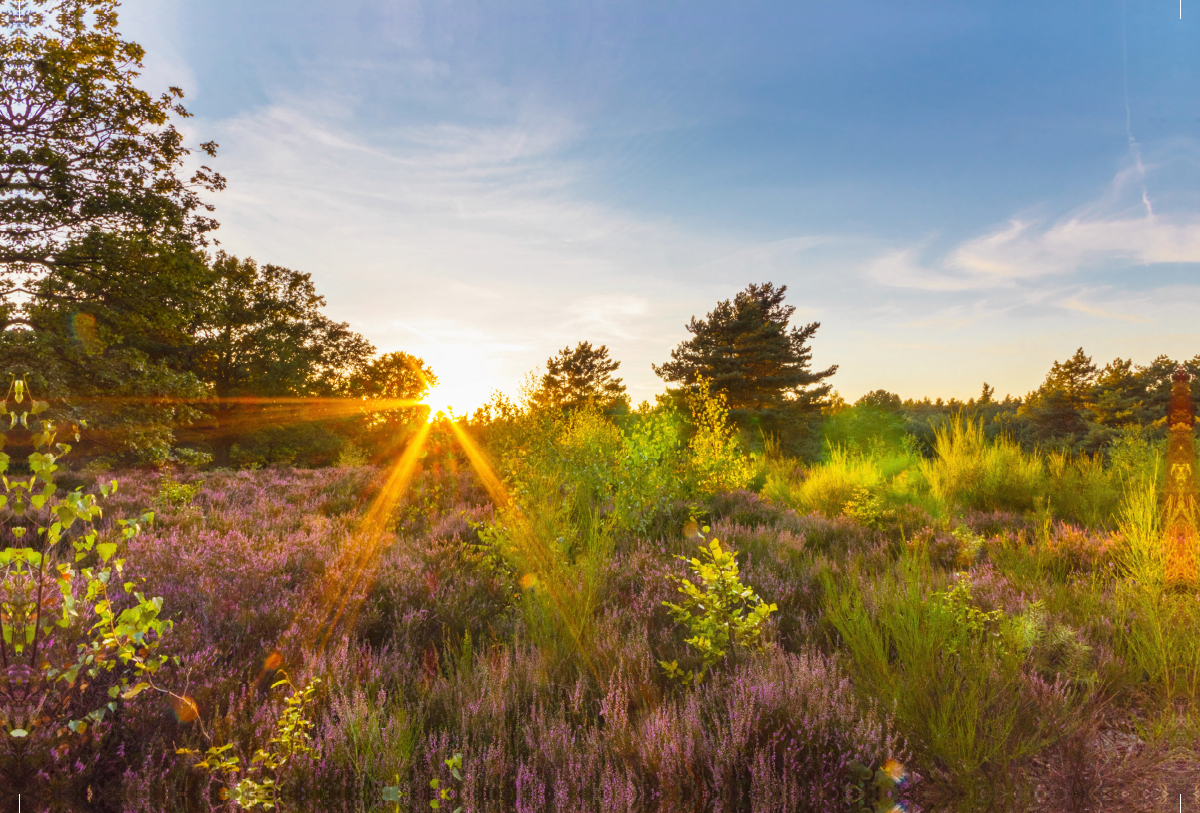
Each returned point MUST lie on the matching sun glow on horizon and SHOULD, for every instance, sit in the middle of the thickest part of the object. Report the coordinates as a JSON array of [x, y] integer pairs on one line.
[[438, 401]]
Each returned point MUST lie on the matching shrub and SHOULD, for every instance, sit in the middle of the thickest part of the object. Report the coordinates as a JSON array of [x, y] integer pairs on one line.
[[71, 650], [954, 672], [715, 457], [973, 472], [724, 615]]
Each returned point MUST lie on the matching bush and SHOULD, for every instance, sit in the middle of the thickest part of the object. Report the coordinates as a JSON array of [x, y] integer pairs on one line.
[[724, 615], [954, 672]]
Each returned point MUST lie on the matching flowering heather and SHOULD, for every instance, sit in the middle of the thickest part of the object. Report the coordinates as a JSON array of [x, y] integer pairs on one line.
[[428, 646], [430, 657]]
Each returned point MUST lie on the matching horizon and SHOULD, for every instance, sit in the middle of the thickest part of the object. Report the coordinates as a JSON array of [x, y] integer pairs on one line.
[[957, 195]]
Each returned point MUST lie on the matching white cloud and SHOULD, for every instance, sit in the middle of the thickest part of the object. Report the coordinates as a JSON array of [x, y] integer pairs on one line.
[[1094, 310], [1119, 228]]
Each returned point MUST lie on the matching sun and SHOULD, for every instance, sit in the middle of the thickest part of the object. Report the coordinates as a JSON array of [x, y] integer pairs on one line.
[[438, 402]]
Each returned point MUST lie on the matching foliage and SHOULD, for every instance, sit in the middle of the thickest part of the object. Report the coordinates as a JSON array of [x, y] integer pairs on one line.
[[725, 615], [100, 229], [875, 421], [745, 348], [391, 386], [970, 471], [62, 630], [955, 673], [292, 736], [715, 457], [454, 764], [651, 474], [262, 335], [581, 375], [174, 493], [84, 150], [847, 482]]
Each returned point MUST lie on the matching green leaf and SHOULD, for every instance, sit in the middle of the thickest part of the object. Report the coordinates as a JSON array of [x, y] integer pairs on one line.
[[135, 691], [19, 733], [106, 550]]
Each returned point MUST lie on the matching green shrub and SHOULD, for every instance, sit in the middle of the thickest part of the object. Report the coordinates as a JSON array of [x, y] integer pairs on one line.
[[724, 615], [888, 475], [952, 672], [715, 456], [59, 622], [972, 472]]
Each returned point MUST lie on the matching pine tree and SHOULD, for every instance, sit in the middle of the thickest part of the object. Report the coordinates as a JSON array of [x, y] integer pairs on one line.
[[581, 375], [746, 349]]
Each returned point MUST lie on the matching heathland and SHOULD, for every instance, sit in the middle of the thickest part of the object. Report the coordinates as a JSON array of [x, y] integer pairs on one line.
[[243, 566]]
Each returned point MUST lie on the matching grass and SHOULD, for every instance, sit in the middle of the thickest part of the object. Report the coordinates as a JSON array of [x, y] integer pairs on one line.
[[954, 674]]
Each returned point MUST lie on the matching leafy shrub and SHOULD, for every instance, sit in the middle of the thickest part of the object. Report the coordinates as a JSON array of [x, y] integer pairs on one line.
[[715, 456], [260, 777], [724, 615], [70, 649], [173, 493], [891, 476]]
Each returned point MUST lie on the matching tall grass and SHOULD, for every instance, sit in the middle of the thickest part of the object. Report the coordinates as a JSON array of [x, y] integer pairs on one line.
[[1143, 556], [972, 472], [828, 487], [955, 681]]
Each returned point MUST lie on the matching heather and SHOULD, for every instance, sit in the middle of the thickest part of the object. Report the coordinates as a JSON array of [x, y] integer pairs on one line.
[[508, 630]]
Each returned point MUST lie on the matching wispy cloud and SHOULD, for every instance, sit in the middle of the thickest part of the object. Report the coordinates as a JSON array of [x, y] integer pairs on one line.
[[1093, 310], [1116, 229]]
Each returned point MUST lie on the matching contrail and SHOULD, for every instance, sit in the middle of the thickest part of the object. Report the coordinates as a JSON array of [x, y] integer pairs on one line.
[[1135, 149]]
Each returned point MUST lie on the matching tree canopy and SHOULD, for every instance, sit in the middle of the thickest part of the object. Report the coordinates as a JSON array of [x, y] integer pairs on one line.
[[84, 152], [746, 349], [261, 334], [578, 375]]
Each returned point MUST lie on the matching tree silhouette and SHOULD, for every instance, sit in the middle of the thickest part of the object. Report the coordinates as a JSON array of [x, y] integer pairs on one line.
[[578, 376]]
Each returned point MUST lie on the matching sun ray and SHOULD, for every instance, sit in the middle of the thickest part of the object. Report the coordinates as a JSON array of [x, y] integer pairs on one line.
[[359, 555], [567, 598], [479, 463]]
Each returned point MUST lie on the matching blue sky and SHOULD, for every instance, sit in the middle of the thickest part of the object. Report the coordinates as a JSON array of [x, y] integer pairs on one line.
[[957, 192]]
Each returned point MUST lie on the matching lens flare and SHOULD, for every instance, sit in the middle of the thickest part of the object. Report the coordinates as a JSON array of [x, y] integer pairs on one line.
[[185, 708], [347, 580], [439, 407], [895, 770]]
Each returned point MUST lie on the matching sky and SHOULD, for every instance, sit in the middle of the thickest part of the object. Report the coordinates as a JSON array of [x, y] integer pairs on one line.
[[956, 192]]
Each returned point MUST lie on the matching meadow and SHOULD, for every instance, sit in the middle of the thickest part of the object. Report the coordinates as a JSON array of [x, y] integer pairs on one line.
[[485, 625]]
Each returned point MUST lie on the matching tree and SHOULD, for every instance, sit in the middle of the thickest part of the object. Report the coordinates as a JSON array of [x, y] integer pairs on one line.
[[875, 420], [99, 229], [581, 375], [396, 376], [1056, 408], [745, 348], [83, 151], [262, 336], [109, 342]]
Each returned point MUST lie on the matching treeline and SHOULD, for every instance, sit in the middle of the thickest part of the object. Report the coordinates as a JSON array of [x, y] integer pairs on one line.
[[1080, 408], [115, 300]]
